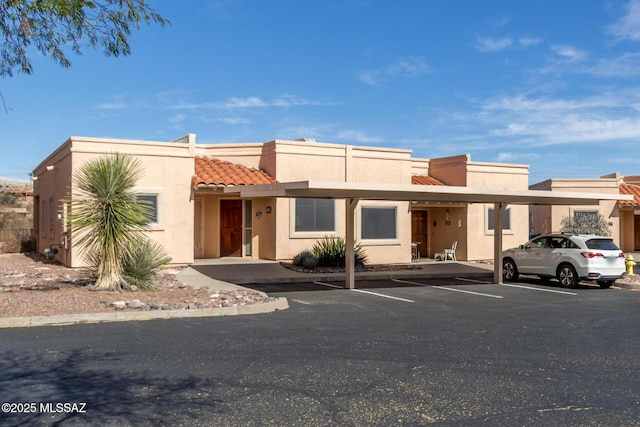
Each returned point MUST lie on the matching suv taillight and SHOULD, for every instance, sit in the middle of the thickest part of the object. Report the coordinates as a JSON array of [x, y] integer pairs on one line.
[[621, 255], [591, 254]]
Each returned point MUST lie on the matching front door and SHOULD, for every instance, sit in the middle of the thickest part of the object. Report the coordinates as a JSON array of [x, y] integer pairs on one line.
[[420, 232], [231, 227]]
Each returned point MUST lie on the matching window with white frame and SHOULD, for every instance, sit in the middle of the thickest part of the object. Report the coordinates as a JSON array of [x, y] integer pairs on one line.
[[378, 222], [506, 219], [315, 215], [586, 214]]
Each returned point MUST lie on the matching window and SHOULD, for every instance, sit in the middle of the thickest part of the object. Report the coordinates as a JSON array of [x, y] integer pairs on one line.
[[43, 216], [52, 216], [506, 219], [378, 222], [313, 215], [151, 201], [586, 215]]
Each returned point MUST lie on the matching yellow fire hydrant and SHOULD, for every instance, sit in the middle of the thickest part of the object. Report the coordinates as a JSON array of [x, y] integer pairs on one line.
[[630, 263]]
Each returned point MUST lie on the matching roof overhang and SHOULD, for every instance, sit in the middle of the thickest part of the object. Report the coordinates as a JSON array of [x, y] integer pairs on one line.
[[419, 193]]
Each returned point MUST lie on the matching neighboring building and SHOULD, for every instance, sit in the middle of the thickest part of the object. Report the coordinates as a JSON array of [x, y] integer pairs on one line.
[[195, 218], [623, 217]]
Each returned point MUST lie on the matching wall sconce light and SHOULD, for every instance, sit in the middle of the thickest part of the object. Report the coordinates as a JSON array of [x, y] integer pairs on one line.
[[268, 209], [258, 214], [447, 220]]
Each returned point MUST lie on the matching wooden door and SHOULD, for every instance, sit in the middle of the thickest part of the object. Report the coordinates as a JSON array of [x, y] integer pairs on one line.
[[420, 231], [230, 227]]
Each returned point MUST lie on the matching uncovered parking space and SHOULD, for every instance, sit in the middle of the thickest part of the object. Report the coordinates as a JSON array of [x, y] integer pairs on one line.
[[416, 290]]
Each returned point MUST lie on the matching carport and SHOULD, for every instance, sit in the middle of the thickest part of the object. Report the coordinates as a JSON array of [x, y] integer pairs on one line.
[[353, 192]]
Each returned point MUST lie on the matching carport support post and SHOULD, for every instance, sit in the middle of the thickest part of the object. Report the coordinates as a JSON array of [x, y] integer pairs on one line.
[[497, 241], [350, 232]]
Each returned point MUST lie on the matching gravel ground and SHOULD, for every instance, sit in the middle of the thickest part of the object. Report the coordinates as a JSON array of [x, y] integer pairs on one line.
[[32, 286]]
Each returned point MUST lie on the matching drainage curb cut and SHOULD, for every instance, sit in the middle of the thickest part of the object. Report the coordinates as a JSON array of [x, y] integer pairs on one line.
[[123, 316]]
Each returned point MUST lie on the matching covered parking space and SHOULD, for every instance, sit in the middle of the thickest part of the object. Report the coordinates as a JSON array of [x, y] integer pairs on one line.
[[353, 192]]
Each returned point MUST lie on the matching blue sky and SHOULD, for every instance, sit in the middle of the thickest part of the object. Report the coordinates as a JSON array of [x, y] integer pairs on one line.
[[554, 84]]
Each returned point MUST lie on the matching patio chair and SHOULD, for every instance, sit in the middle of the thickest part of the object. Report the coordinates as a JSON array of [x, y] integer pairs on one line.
[[448, 253]]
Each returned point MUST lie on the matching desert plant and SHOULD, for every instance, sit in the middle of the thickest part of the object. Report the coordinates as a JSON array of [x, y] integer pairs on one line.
[[297, 259], [585, 223], [143, 262], [107, 219], [332, 252]]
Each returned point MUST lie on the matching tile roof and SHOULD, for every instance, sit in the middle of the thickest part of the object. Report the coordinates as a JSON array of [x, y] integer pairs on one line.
[[217, 172], [425, 180], [634, 190]]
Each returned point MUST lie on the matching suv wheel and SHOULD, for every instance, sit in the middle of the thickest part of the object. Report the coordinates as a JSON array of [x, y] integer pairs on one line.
[[604, 284], [567, 276], [509, 270]]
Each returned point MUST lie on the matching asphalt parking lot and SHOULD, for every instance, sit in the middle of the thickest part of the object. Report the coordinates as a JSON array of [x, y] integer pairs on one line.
[[441, 352]]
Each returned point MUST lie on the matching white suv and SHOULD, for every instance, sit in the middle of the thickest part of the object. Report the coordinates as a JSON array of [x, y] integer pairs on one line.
[[568, 257]]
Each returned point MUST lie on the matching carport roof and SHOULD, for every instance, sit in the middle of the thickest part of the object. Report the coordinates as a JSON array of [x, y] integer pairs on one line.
[[419, 193]]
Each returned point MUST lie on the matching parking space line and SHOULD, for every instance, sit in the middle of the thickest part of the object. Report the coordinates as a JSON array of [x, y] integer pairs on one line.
[[449, 289], [540, 289], [469, 292], [381, 295], [464, 279], [329, 284]]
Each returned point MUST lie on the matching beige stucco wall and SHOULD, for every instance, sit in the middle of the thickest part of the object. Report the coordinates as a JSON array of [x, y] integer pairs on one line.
[[468, 224], [167, 170], [550, 219]]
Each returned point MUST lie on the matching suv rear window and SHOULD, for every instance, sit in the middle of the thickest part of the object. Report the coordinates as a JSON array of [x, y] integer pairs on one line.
[[602, 244]]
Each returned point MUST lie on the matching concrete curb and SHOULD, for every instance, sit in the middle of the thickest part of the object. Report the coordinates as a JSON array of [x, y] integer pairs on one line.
[[125, 316]]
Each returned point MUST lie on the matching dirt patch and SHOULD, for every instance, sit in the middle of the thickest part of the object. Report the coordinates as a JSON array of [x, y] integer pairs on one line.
[[30, 285]]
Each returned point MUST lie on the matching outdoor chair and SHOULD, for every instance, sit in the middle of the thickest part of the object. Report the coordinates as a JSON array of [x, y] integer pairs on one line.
[[447, 253]]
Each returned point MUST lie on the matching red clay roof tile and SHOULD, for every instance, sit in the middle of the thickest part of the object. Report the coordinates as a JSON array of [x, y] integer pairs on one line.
[[634, 190], [217, 172]]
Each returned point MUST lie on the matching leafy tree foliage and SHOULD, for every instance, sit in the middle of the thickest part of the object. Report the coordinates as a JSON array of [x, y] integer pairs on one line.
[[585, 223], [52, 26]]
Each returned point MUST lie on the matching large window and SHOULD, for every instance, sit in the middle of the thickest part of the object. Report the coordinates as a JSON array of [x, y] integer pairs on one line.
[[378, 222], [506, 219], [315, 215], [151, 200]]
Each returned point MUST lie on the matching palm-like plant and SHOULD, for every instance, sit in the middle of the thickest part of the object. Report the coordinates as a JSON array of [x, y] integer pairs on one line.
[[107, 219]]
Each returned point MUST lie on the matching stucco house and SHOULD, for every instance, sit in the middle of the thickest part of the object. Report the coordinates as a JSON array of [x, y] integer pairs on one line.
[[623, 216], [195, 216]]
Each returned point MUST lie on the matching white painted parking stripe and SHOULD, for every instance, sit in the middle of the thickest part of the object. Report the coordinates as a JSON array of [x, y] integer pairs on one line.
[[449, 289], [464, 279], [381, 295], [468, 292], [302, 302], [329, 284], [364, 292], [540, 289]]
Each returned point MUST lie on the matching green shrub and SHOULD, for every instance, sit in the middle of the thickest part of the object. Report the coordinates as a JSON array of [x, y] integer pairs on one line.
[[143, 262], [332, 252], [297, 260], [310, 262]]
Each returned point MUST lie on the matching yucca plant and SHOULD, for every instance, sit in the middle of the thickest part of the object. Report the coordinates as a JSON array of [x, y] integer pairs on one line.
[[107, 219], [143, 262], [332, 252]]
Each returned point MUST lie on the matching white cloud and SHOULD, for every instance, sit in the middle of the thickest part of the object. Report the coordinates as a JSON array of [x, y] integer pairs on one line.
[[569, 52], [515, 157], [488, 44], [404, 67], [528, 41], [547, 121], [628, 27]]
